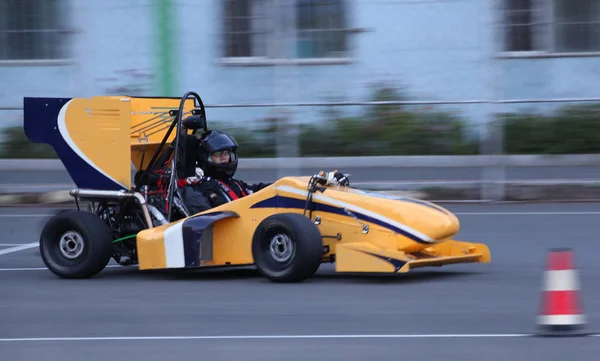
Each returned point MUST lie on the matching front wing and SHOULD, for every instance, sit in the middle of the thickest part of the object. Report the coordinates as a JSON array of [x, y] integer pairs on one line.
[[364, 257]]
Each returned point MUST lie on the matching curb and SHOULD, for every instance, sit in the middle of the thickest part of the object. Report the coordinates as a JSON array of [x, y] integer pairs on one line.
[[35, 198]]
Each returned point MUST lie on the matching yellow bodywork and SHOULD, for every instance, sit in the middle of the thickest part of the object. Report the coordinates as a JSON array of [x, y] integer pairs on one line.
[[99, 138], [402, 233]]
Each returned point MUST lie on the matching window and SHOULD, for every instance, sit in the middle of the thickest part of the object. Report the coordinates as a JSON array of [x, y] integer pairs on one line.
[[576, 25], [551, 26], [274, 29], [245, 28], [322, 28], [519, 29], [32, 30]]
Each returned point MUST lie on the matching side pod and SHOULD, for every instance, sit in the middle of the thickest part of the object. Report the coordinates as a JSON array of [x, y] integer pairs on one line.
[[180, 244]]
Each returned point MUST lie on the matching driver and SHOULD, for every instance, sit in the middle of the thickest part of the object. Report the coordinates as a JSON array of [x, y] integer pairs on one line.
[[218, 158]]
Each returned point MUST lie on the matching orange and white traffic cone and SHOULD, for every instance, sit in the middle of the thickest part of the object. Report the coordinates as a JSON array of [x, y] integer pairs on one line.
[[562, 311]]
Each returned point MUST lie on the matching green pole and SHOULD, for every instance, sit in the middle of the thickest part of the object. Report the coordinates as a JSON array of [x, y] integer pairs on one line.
[[164, 47]]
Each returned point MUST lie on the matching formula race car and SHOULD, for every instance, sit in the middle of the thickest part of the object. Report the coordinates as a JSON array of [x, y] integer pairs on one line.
[[136, 215]]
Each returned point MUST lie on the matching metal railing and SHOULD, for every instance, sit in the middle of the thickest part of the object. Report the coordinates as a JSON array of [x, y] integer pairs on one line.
[[493, 181], [388, 102]]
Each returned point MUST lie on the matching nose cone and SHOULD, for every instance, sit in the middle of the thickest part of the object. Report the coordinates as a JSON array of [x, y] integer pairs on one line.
[[418, 223], [446, 227], [433, 221], [430, 221]]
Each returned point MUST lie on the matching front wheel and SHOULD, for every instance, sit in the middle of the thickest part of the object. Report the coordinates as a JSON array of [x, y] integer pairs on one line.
[[287, 247], [76, 244]]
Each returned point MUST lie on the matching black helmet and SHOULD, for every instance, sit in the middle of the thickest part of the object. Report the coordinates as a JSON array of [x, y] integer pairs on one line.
[[216, 141]]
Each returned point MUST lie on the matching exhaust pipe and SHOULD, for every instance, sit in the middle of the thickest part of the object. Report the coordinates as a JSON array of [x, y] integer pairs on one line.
[[119, 195]]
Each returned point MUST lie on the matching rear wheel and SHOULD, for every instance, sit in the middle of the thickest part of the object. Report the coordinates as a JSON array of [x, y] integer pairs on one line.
[[76, 244], [287, 247]]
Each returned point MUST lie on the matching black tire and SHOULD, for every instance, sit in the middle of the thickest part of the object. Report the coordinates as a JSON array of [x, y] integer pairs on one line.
[[306, 253], [96, 244], [43, 222]]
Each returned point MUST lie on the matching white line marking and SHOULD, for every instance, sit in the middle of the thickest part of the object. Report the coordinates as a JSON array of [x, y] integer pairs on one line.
[[45, 269], [254, 337], [18, 248]]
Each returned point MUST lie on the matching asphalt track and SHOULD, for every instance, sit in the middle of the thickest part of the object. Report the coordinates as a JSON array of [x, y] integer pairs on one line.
[[451, 313], [13, 181]]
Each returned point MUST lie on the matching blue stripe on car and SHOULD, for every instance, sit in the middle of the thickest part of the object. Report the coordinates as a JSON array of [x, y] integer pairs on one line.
[[398, 264], [288, 202]]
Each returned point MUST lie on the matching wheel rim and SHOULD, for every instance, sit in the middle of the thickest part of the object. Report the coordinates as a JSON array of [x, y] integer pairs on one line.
[[281, 248], [71, 245]]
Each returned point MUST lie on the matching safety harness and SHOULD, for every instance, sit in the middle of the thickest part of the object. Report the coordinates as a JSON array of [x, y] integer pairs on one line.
[[228, 191]]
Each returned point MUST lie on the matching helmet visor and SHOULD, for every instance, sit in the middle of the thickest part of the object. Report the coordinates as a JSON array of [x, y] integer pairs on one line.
[[220, 142], [222, 156]]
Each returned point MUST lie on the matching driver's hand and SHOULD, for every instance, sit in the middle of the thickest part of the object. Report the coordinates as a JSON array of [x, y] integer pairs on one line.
[[333, 178], [342, 179], [322, 178]]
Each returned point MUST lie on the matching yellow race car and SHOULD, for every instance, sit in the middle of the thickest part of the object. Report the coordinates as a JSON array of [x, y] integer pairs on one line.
[[287, 230]]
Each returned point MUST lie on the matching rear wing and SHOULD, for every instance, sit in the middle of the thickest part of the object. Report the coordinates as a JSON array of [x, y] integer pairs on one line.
[[98, 139]]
